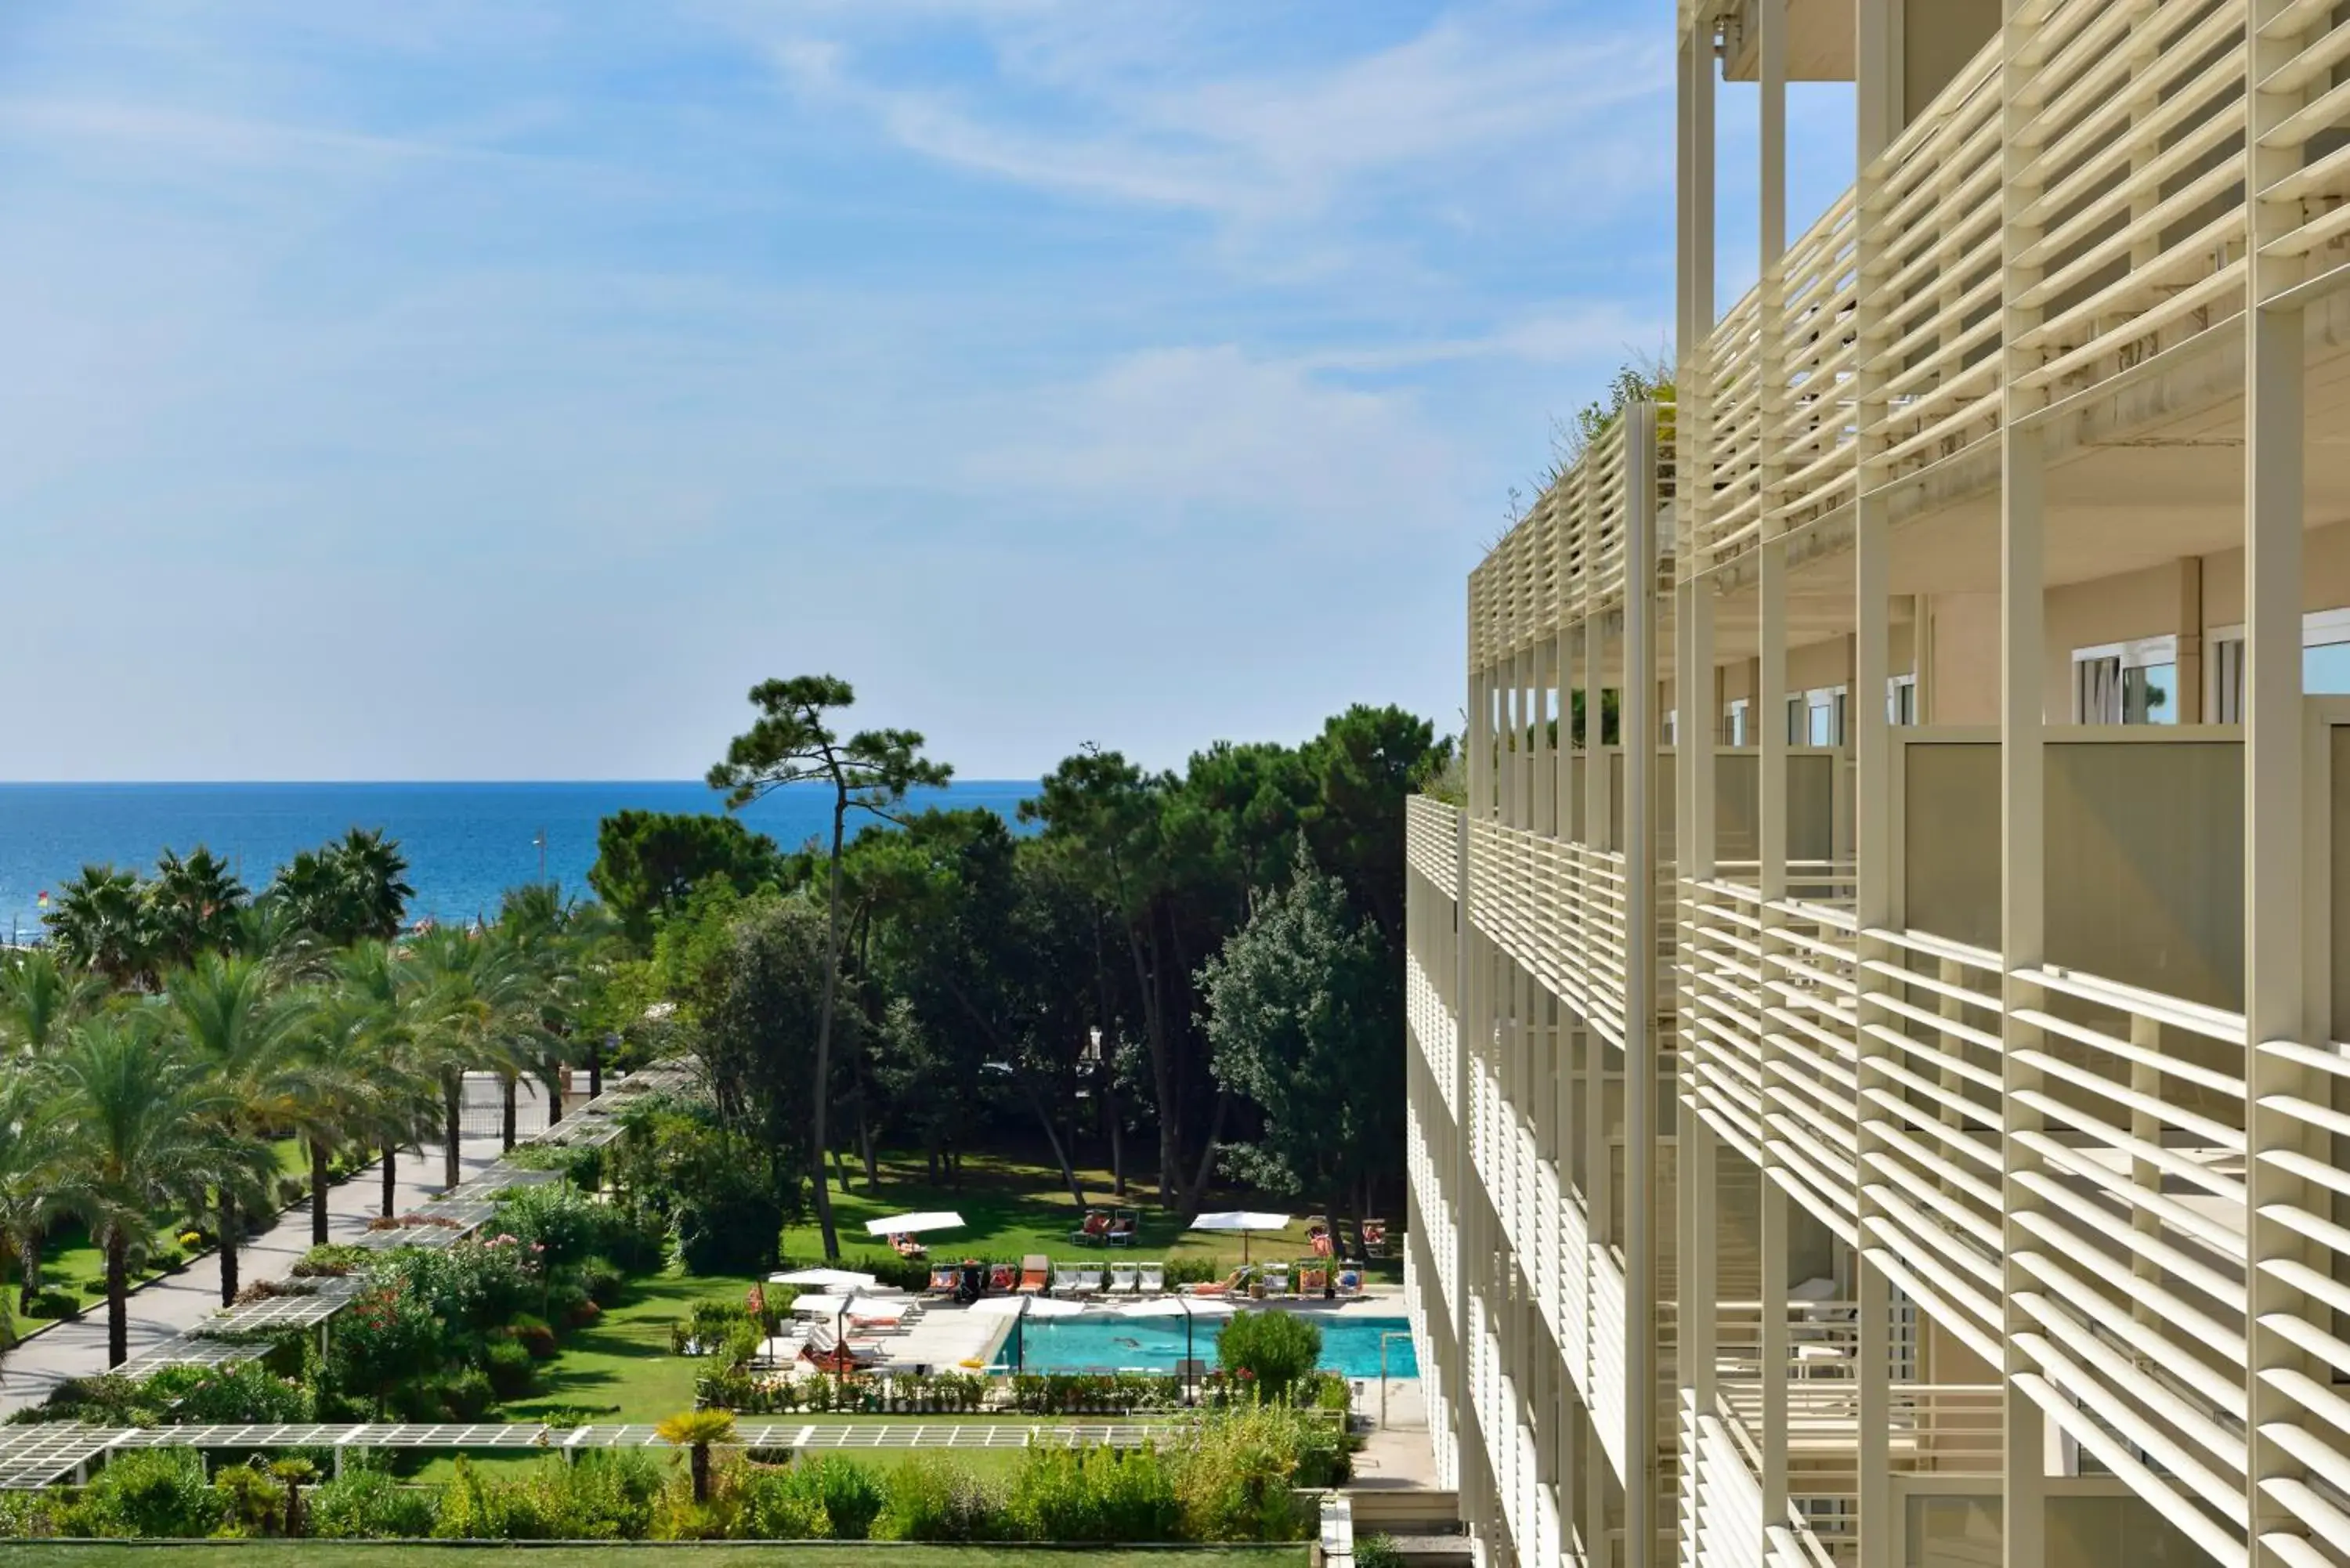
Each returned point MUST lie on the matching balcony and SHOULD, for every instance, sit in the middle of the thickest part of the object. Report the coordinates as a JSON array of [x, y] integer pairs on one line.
[[2047, 232]]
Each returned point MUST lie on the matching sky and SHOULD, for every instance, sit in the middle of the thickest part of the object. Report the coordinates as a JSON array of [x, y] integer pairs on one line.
[[454, 390]]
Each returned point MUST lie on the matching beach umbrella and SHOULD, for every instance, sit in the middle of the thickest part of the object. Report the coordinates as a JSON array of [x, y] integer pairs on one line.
[[1243, 1221], [1189, 1309], [914, 1224], [826, 1280], [1017, 1308]]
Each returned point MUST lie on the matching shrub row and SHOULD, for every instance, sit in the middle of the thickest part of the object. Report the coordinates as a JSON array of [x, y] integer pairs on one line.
[[1226, 1477]]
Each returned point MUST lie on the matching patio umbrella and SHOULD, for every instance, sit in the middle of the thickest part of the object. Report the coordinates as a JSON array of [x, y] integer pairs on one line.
[[826, 1280], [1019, 1307], [1243, 1221], [914, 1224], [1189, 1309]]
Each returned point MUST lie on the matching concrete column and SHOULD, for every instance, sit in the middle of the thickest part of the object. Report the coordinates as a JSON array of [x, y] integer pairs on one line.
[[2022, 797], [2281, 1002], [1640, 730], [2188, 702]]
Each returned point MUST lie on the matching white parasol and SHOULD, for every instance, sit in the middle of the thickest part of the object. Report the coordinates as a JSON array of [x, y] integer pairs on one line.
[[914, 1224], [826, 1280], [1243, 1221]]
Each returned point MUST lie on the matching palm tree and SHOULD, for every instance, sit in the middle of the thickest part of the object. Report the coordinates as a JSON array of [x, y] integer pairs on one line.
[[29, 1129], [238, 1026], [195, 905], [39, 995], [468, 988], [696, 1431], [39, 999], [374, 877], [143, 1128], [352, 888], [304, 898], [103, 924], [355, 1082]]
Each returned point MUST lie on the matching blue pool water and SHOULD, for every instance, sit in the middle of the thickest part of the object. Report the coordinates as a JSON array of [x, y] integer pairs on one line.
[[1350, 1346]]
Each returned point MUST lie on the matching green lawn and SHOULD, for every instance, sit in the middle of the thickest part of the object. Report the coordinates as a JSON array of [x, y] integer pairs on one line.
[[1014, 1209], [362, 1554], [621, 1369]]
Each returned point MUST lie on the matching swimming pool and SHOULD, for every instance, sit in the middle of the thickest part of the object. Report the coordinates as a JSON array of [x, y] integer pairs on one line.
[[1350, 1346]]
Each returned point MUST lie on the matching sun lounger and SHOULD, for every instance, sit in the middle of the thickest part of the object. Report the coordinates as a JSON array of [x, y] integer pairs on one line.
[[1154, 1278], [1313, 1281], [1121, 1280], [944, 1281], [1094, 1232], [1231, 1284], [1374, 1235], [1123, 1225], [1090, 1283], [829, 1353], [1003, 1277], [1276, 1280], [1350, 1281], [1065, 1279], [1035, 1272]]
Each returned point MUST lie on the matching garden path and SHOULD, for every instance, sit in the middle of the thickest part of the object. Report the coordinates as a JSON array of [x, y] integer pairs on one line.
[[175, 1303]]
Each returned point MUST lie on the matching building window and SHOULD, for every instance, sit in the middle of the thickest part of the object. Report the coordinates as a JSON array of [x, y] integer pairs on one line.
[[2325, 663], [2126, 682], [1733, 724], [1901, 699], [1815, 718]]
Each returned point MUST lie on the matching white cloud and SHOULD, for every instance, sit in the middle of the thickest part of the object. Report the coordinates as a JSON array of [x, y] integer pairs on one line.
[[1203, 438], [1118, 110]]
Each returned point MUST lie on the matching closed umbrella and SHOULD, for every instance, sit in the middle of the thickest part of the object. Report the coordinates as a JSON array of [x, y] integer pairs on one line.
[[1019, 1307], [1190, 1309], [1243, 1221]]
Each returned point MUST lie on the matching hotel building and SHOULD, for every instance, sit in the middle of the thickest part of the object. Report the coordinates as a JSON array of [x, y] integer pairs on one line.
[[1875, 1095]]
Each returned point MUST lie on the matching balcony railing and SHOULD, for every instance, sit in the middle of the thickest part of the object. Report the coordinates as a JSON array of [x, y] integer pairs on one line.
[[2110, 229], [1565, 559]]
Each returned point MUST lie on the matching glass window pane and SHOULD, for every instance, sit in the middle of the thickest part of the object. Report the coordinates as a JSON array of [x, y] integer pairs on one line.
[[2150, 696], [2326, 671], [1822, 725]]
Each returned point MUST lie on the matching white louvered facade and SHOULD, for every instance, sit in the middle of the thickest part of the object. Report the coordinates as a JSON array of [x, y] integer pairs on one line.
[[1875, 1084]]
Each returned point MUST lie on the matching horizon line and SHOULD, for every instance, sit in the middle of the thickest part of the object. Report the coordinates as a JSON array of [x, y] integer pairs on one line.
[[474, 783]]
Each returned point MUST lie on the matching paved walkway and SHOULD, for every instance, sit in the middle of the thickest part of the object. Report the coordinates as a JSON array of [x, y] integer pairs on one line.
[[175, 1303]]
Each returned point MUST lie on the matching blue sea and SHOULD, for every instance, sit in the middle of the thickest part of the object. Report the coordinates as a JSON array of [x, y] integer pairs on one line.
[[466, 843]]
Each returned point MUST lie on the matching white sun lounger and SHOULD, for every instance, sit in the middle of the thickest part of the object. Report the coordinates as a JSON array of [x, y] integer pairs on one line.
[[1121, 1280], [1154, 1278]]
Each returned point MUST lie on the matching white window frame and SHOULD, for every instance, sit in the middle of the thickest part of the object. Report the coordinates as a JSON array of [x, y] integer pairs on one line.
[[2136, 654], [2224, 660], [1801, 705], [1733, 721], [1900, 699]]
